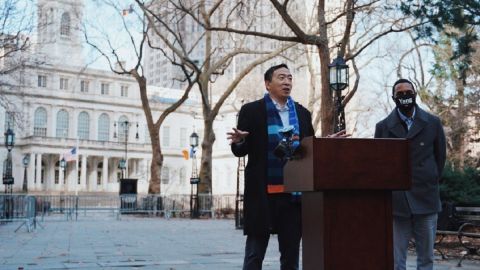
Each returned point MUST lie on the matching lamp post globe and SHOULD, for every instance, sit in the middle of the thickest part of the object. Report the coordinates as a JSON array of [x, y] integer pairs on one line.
[[194, 139], [25, 161], [63, 163], [338, 71], [9, 139]]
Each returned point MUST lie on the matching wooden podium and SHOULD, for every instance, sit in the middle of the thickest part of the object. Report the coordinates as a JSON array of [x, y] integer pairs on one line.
[[346, 189]]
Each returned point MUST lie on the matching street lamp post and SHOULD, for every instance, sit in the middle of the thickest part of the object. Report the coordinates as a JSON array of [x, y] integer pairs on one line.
[[63, 166], [338, 70], [7, 168], [122, 165], [25, 161], [194, 179], [7, 172]]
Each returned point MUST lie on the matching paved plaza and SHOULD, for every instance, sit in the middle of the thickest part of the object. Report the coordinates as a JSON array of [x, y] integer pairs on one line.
[[100, 242]]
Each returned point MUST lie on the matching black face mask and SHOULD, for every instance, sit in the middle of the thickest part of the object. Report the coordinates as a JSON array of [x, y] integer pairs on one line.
[[405, 102]]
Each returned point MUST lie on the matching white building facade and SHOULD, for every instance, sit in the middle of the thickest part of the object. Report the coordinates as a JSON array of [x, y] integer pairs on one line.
[[60, 104]]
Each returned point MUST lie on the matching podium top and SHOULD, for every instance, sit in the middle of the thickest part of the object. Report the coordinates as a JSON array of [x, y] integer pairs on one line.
[[349, 164]]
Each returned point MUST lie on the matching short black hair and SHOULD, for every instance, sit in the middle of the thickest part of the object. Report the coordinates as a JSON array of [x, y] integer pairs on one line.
[[269, 73], [399, 81]]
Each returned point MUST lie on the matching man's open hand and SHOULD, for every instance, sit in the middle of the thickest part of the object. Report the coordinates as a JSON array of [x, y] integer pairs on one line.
[[237, 135]]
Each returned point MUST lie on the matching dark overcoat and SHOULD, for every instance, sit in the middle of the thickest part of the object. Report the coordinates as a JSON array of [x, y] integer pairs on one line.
[[428, 153], [253, 118]]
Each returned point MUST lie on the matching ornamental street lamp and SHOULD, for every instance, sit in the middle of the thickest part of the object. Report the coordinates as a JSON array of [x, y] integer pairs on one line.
[[7, 168], [125, 126], [338, 71], [194, 179], [25, 161], [7, 172], [63, 166], [239, 194]]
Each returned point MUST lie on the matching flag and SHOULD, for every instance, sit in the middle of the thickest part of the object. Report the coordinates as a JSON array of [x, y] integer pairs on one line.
[[125, 12], [192, 152], [71, 155], [185, 154]]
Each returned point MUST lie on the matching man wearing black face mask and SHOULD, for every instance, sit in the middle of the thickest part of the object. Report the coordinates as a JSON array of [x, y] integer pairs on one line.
[[415, 211]]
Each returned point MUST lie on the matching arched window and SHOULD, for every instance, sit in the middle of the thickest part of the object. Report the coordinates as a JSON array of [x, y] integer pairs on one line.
[[103, 127], [123, 127], [83, 126], [62, 124], [40, 122], [65, 24]]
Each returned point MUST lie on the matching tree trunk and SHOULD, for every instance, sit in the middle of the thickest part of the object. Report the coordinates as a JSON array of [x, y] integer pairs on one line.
[[459, 127], [155, 167], [326, 102], [157, 157], [206, 160]]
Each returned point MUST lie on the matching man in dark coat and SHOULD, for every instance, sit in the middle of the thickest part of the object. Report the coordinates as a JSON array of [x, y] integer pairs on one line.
[[415, 211], [267, 208]]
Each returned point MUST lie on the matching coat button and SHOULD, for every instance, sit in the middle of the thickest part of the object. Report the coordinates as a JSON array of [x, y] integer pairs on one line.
[[422, 143]]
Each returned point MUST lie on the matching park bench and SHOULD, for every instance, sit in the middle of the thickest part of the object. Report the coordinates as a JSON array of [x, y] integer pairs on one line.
[[463, 222]]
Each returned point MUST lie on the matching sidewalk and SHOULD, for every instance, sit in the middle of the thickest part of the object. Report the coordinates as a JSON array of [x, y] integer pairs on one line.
[[138, 243]]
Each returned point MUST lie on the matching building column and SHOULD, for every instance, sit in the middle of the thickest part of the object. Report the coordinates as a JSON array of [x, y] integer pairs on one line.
[[83, 174], [61, 173], [50, 178], [38, 171], [105, 173], [31, 172], [74, 178]]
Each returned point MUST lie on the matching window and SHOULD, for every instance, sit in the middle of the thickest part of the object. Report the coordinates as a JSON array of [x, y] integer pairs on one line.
[[42, 81], [165, 175], [99, 173], [65, 24], [63, 83], [166, 136], [104, 88], [9, 120], [103, 127], [40, 122], [84, 86], [122, 128], [57, 172], [183, 137], [124, 91], [62, 124], [83, 126]]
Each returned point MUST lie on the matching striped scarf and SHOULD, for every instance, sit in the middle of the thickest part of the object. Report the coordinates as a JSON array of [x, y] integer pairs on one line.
[[274, 123]]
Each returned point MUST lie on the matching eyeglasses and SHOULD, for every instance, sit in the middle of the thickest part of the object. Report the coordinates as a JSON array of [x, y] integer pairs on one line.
[[404, 93]]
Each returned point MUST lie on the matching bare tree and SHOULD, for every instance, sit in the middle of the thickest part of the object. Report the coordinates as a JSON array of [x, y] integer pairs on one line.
[[217, 51], [16, 27], [367, 29], [114, 59]]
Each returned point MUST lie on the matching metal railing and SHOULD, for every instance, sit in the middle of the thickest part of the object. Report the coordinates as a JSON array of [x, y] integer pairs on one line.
[[216, 206], [18, 208]]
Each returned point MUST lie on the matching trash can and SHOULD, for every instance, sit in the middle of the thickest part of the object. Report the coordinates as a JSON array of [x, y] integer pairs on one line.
[[128, 195]]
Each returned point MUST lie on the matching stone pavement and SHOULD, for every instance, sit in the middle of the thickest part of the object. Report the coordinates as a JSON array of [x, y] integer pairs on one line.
[[137, 243]]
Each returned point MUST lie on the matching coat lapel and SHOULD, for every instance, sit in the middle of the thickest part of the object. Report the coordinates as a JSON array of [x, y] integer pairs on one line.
[[419, 123], [395, 126]]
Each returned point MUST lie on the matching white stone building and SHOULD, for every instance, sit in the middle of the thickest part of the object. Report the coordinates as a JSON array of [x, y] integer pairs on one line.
[[61, 104]]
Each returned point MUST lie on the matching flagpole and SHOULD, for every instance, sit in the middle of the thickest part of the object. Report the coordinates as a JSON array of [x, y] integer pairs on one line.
[[76, 164]]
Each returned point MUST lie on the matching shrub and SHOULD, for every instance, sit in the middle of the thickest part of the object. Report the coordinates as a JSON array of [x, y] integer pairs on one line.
[[460, 186]]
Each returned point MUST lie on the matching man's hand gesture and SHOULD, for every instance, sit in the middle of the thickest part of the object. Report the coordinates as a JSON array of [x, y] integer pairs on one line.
[[237, 136]]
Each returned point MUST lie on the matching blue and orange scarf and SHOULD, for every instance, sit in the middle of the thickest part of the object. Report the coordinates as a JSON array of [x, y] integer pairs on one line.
[[274, 123]]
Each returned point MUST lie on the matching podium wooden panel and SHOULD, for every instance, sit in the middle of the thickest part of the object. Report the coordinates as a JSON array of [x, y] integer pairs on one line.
[[346, 201]]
